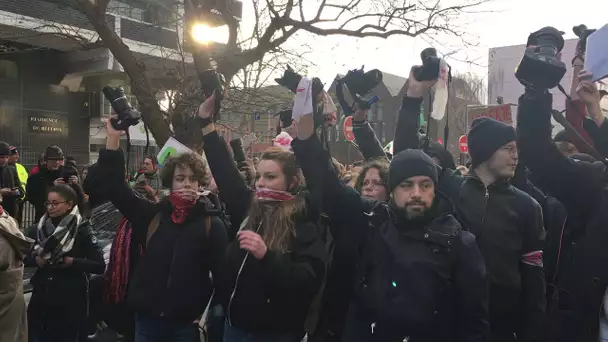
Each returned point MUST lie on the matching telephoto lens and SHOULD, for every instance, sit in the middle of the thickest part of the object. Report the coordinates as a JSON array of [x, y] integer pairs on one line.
[[127, 115]]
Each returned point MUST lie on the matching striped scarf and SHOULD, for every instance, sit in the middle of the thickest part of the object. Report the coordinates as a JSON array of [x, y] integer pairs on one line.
[[264, 194], [53, 247], [119, 267]]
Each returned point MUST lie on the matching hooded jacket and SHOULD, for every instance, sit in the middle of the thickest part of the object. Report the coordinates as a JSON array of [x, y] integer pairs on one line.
[[13, 248], [271, 295], [508, 226], [428, 310]]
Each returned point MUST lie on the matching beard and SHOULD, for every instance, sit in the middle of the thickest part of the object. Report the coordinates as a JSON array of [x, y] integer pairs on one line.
[[415, 210]]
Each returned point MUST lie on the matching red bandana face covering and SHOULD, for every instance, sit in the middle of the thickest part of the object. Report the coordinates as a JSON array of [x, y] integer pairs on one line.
[[181, 207], [264, 194]]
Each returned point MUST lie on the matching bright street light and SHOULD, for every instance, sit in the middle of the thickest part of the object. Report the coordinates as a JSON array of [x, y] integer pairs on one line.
[[204, 34]]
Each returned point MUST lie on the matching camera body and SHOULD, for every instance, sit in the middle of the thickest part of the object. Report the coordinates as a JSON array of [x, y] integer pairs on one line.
[[430, 66], [582, 32], [127, 115], [540, 68], [361, 83], [213, 82], [238, 152]]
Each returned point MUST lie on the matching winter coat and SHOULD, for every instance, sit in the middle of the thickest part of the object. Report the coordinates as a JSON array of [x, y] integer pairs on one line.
[[172, 276], [60, 295], [439, 298], [10, 179], [13, 247], [581, 188], [508, 225], [271, 295]]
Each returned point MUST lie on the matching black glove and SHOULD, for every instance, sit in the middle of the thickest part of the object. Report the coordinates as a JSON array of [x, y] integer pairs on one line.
[[290, 80]]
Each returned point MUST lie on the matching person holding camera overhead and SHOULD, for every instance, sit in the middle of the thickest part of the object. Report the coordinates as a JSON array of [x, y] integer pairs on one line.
[[276, 264], [183, 237], [65, 252], [580, 299]]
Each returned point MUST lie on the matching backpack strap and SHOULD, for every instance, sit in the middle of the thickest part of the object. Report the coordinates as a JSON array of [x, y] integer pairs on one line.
[[153, 226]]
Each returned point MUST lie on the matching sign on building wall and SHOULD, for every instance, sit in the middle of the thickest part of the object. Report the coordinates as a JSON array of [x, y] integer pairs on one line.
[[43, 122], [500, 113]]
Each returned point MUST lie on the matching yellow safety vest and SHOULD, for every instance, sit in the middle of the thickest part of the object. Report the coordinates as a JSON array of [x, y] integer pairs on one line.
[[22, 174]]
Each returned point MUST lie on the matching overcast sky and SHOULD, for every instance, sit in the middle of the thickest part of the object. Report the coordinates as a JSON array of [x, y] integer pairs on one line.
[[509, 24]]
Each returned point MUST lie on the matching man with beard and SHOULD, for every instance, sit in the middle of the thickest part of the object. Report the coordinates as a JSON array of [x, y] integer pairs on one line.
[[420, 277], [507, 222], [50, 174], [10, 186]]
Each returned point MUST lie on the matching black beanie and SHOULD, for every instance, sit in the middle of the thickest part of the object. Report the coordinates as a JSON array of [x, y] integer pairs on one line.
[[486, 137], [410, 163], [53, 152], [562, 136], [5, 149]]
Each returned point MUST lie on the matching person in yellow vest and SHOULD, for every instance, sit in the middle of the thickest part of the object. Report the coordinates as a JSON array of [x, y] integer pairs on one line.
[[22, 174]]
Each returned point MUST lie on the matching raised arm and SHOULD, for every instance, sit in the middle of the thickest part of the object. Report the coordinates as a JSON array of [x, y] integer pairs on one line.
[[365, 137], [408, 121], [233, 189], [340, 202], [111, 168], [577, 185]]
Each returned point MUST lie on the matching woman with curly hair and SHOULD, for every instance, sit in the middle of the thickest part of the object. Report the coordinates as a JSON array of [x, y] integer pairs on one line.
[[372, 180]]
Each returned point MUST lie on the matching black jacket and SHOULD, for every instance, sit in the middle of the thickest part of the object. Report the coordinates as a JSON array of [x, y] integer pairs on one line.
[[581, 188], [271, 295], [37, 189], [64, 289], [172, 277], [508, 225], [459, 314], [10, 179]]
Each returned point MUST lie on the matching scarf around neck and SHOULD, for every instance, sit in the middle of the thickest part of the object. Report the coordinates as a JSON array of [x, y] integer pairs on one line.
[[181, 208], [60, 241], [266, 195]]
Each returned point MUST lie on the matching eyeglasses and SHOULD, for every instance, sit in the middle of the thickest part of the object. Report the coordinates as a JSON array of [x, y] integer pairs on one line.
[[512, 150], [373, 183], [52, 204]]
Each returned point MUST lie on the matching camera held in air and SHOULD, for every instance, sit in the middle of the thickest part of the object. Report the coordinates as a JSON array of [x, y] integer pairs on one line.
[[359, 84], [540, 67], [127, 115]]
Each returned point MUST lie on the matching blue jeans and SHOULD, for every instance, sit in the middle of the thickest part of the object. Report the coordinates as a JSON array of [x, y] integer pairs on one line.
[[160, 329], [234, 334]]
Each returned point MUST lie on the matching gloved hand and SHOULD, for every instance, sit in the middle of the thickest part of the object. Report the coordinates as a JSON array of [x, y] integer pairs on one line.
[[290, 79]]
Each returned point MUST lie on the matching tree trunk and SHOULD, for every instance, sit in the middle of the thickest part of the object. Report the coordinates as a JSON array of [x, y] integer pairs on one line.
[[140, 87]]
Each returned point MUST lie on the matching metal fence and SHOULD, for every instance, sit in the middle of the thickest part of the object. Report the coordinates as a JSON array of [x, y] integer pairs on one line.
[[104, 216]]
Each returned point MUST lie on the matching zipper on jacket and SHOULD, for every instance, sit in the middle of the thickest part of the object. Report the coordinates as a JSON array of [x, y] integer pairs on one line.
[[487, 196], [238, 275]]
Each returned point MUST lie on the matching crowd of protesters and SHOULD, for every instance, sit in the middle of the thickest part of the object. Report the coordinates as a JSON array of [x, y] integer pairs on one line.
[[295, 246]]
